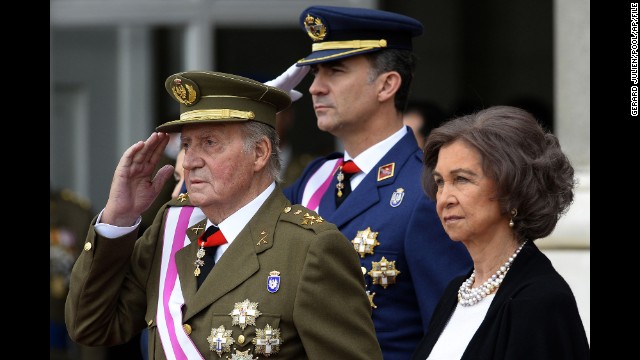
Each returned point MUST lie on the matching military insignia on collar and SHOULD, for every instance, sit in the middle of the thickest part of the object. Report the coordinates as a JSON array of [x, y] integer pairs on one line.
[[273, 281], [267, 341], [262, 239], [197, 229], [245, 313], [396, 197], [242, 355], [183, 197], [365, 241], [185, 90], [220, 340], [386, 171], [384, 272], [315, 28]]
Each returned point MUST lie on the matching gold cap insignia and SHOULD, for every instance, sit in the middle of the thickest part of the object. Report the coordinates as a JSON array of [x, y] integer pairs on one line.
[[185, 91], [365, 241], [315, 28], [267, 341], [245, 313], [220, 340], [384, 272]]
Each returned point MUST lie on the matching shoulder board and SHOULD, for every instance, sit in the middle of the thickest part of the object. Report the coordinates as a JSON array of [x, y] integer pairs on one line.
[[305, 218]]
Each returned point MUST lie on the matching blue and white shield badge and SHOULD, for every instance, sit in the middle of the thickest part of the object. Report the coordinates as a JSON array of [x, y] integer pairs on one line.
[[396, 197], [273, 281]]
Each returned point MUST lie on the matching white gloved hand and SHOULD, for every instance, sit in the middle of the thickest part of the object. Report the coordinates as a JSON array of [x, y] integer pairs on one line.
[[290, 79]]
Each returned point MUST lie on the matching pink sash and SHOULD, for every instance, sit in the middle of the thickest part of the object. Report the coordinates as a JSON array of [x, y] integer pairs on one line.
[[318, 184], [175, 342]]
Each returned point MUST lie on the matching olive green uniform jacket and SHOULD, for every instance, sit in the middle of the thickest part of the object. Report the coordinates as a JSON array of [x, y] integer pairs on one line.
[[321, 308]]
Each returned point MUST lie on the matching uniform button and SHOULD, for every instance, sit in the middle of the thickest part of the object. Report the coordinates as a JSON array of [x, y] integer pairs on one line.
[[240, 339], [87, 246], [187, 328], [149, 323]]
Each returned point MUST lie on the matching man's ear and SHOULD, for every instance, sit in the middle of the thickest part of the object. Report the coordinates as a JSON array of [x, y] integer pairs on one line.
[[389, 85], [263, 153]]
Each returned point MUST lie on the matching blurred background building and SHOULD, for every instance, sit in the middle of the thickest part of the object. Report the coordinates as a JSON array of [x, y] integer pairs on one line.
[[109, 60]]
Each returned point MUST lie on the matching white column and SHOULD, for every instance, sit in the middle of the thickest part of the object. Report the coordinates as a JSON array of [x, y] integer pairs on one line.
[[572, 115], [572, 79], [569, 246], [198, 45], [134, 97]]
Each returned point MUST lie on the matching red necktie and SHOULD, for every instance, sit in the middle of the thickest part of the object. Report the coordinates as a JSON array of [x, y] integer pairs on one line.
[[345, 172], [212, 237], [209, 242]]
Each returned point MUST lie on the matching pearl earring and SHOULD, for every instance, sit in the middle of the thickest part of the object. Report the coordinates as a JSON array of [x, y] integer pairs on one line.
[[514, 212]]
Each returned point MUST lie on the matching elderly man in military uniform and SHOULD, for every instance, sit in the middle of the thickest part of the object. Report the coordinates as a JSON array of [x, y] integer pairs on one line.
[[282, 274]]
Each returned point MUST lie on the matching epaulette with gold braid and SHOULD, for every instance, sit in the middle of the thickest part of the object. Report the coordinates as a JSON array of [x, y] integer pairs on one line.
[[308, 219]]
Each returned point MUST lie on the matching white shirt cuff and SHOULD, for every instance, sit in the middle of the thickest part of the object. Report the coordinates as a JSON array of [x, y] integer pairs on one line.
[[111, 231]]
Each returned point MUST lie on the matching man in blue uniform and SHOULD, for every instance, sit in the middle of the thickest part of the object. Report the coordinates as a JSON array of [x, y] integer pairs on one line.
[[363, 66]]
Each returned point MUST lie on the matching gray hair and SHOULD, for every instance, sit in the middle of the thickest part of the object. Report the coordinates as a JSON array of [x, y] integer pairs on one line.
[[254, 132], [531, 172]]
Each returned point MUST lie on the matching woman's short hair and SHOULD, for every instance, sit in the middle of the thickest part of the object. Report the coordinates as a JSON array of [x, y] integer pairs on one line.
[[531, 172]]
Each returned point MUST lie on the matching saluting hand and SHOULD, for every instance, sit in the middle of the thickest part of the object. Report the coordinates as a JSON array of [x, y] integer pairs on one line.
[[134, 186]]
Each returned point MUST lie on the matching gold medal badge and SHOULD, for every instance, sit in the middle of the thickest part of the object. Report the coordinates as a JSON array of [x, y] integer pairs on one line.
[[245, 313], [365, 241], [220, 340], [267, 341], [383, 272]]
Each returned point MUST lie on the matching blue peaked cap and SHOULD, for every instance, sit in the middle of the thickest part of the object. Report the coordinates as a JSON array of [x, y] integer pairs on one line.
[[338, 32]]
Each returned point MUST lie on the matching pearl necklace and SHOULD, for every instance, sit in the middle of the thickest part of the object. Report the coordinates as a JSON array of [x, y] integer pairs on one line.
[[468, 296]]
